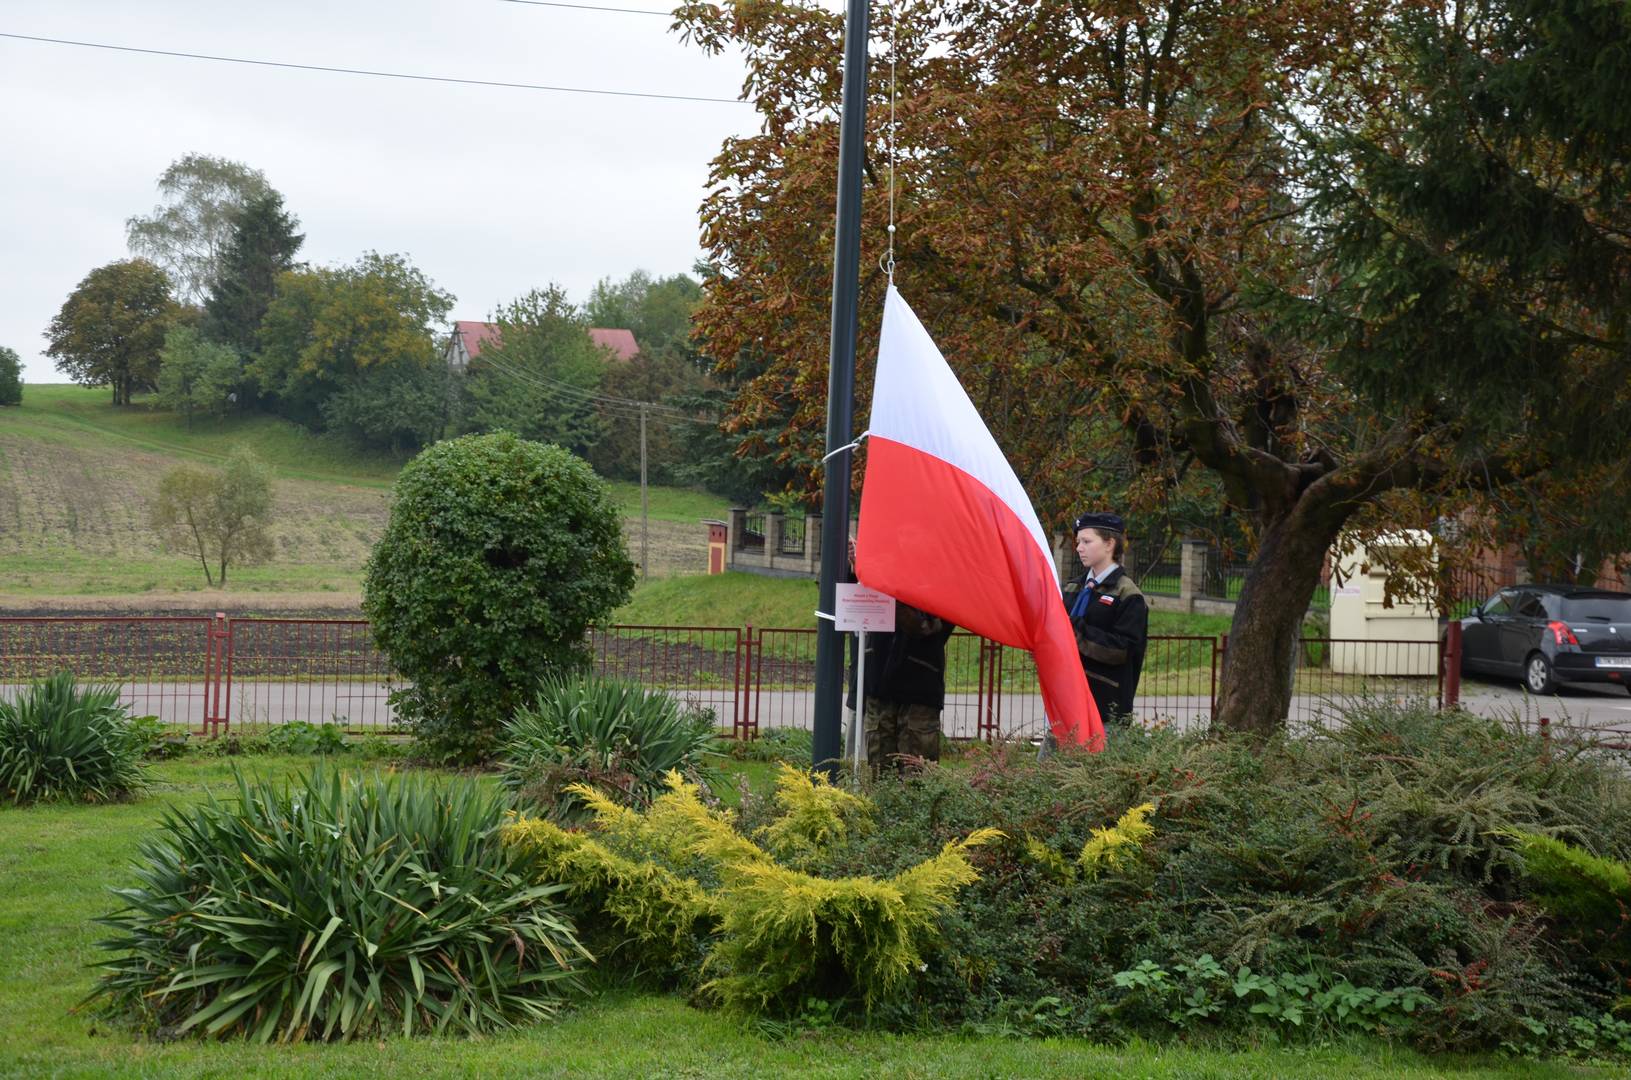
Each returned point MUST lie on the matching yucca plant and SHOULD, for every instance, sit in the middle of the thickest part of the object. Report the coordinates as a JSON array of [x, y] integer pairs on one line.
[[616, 736], [336, 909], [61, 740]]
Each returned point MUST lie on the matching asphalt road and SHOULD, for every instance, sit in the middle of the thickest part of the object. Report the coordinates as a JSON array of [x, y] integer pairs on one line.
[[362, 706]]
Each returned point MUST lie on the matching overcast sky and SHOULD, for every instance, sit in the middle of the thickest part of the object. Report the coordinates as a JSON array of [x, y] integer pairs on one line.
[[489, 191]]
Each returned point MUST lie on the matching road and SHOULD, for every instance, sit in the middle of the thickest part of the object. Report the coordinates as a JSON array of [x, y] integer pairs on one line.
[[362, 705]]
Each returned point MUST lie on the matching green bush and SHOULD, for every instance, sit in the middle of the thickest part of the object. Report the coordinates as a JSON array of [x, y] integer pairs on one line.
[[790, 745], [11, 377], [498, 556], [1203, 992], [338, 909], [678, 883], [1370, 856], [1362, 880], [1587, 896], [157, 739], [60, 740], [301, 738], [614, 735]]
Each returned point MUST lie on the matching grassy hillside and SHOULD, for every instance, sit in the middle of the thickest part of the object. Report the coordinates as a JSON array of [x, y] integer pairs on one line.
[[77, 476], [738, 599], [733, 599]]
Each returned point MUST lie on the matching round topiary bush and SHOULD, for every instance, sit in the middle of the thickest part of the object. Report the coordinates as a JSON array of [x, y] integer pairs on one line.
[[499, 555], [338, 909]]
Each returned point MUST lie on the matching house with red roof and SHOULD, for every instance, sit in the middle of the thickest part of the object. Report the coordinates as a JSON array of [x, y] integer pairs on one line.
[[469, 338]]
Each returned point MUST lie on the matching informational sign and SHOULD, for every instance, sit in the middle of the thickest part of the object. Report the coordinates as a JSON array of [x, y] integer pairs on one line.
[[861, 608]]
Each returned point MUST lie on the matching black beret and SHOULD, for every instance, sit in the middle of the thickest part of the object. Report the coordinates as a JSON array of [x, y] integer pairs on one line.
[[1107, 522]]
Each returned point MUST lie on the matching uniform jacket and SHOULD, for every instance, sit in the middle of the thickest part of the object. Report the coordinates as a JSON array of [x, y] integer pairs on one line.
[[908, 665], [1111, 637]]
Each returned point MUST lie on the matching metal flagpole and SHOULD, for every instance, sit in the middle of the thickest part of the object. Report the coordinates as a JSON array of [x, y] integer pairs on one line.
[[827, 745]]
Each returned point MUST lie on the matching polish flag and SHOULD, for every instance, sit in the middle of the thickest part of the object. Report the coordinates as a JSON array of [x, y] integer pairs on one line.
[[947, 527]]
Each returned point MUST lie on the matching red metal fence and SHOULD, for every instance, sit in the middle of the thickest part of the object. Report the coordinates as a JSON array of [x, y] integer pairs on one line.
[[211, 673]]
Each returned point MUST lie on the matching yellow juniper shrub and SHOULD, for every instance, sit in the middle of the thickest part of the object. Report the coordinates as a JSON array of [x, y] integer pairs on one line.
[[1052, 863], [1113, 848], [663, 912], [773, 934], [786, 934], [814, 815]]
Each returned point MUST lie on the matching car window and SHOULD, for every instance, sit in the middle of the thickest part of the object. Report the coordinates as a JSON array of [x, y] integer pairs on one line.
[[1529, 606], [1598, 608], [1500, 603]]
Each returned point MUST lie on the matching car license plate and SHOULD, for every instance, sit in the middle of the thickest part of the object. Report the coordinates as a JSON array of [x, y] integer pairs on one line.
[[1614, 661]]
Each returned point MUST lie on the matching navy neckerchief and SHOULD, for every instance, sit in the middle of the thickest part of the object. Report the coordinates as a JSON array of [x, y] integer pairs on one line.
[[1079, 608]]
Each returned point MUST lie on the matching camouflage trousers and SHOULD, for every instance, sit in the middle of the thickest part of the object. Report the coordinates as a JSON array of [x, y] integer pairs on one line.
[[892, 729]]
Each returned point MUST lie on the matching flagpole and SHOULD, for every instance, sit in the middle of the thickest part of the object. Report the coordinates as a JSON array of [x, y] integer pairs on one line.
[[827, 745]]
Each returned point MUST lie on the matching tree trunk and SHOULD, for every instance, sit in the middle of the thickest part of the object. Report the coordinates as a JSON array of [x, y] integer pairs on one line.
[[1267, 626]]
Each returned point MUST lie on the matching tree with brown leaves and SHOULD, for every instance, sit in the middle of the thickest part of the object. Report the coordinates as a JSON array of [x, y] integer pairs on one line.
[[1142, 221]]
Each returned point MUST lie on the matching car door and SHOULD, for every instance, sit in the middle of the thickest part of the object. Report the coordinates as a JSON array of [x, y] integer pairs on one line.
[[1481, 633], [1520, 632]]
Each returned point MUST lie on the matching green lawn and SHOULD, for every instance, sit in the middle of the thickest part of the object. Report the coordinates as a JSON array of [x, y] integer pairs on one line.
[[685, 505], [730, 599], [57, 861], [77, 414], [737, 599], [55, 571]]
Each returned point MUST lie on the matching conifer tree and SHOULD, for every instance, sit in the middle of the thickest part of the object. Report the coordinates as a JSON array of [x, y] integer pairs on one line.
[[263, 245]]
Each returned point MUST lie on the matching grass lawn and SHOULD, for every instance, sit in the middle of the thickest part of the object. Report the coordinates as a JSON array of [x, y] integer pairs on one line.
[[730, 599], [78, 414], [737, 599], [57, 861]]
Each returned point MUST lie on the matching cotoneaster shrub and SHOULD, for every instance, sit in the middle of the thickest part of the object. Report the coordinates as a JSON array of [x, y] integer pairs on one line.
[[499, 555]]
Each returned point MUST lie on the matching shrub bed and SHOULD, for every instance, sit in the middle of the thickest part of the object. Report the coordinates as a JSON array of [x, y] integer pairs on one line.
[[1366, 879], [1367, 863], [338, 909]]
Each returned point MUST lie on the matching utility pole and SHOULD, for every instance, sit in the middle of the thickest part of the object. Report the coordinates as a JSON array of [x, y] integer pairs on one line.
[[645, 517], [827, 744]]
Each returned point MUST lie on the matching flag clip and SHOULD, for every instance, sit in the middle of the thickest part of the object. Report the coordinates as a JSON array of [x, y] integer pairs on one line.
[[846, 446]]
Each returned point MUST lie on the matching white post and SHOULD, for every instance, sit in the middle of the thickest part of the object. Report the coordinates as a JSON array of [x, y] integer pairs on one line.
[[860, 705]]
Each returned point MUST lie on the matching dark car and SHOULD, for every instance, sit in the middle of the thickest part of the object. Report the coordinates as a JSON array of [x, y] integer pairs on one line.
[[1547, 634]]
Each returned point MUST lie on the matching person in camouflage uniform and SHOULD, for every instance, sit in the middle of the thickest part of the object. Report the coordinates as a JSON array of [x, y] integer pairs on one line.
[[905, 686]]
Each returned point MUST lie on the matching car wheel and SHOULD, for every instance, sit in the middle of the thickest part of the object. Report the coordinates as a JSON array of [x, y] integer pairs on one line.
[[1537, 674]]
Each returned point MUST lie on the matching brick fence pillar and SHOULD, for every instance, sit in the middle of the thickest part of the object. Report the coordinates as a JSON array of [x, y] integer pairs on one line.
[[1191, 569], [812, 544]]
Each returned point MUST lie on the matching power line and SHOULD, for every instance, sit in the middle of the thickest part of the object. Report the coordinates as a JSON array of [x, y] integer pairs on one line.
[[623, 406], [374, 74], [592, 7], [576, 396]]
